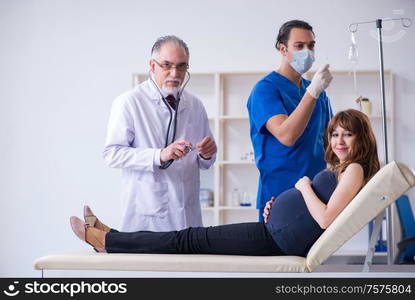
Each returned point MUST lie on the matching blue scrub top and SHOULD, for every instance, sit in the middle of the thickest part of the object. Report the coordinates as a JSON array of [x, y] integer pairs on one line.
[[281, 166]]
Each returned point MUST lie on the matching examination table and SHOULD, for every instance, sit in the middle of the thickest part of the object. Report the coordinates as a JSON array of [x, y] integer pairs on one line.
[[383, 189]]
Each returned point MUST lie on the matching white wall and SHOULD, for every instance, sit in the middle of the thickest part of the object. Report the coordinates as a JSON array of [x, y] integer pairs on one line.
[[63, 62]]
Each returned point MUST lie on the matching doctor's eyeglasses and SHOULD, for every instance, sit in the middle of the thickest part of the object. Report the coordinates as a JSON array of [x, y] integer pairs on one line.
[[167, 66]]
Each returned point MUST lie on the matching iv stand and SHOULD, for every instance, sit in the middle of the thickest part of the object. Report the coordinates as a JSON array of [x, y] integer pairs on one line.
[[406, 22]]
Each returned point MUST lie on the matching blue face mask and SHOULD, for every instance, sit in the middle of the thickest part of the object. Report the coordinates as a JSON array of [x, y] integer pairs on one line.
[[303, 60]]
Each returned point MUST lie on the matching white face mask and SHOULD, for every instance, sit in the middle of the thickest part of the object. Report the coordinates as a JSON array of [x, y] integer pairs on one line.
[[302, 61]]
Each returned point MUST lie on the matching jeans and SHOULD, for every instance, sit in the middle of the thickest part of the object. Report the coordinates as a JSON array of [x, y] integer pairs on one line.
[[232, 239]]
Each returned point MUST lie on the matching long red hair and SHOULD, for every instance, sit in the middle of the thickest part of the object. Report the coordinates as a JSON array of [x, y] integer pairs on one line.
[[364, 150]]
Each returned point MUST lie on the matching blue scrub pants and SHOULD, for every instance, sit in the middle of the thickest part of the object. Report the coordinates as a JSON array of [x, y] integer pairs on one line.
[[232, 239]]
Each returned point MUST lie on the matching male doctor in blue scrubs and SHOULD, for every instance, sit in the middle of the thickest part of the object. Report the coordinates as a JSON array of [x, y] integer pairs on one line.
[[288, 115]]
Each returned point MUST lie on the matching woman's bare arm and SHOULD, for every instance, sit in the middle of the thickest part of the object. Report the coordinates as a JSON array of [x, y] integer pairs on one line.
[[350, 182]]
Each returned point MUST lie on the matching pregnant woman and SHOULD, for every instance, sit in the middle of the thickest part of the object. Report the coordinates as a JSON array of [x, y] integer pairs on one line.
[[295, 221]]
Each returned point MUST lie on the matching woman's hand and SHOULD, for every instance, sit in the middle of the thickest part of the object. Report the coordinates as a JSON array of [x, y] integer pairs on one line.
[[267, 208], [303, 183]]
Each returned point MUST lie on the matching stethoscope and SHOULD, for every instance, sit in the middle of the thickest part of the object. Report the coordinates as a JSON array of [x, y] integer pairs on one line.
[[166, 164]]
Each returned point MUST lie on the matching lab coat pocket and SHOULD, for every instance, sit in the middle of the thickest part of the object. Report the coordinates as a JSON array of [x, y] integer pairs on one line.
[[152, 199]]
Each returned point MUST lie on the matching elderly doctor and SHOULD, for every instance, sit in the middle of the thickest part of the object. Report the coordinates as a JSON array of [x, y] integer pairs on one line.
[[159, 135]]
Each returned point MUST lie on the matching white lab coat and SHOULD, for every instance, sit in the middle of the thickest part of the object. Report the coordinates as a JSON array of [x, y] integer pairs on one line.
[[155, 199]]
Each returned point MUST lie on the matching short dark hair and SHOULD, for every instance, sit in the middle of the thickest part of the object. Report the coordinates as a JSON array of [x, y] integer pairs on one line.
[[285, 29], [168, 39]]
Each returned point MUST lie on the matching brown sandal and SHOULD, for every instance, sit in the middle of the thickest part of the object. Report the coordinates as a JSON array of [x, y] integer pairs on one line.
[[92, 221], [90, 235]]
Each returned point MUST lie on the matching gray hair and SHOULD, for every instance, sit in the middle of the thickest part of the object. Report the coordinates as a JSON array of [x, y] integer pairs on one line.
[[155, 50]]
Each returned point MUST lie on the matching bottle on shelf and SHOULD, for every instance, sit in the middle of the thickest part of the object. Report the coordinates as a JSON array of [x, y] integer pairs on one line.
[[206, 197], [246, 199], [236, 197]]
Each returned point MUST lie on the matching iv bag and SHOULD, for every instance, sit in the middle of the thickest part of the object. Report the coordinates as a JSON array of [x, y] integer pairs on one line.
[[353, 59], [353, 49]]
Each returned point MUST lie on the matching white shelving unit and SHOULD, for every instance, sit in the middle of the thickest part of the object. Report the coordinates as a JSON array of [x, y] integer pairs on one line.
[[224, 96]]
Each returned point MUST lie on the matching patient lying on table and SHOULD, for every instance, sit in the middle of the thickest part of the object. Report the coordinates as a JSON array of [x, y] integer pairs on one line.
[[293, 222]]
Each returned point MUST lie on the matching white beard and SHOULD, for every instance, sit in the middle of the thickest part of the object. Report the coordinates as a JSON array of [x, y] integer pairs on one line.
[[166, 90], [170, 91]]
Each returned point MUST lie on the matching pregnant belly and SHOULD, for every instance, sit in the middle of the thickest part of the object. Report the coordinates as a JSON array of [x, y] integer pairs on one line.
[[286, 207]]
